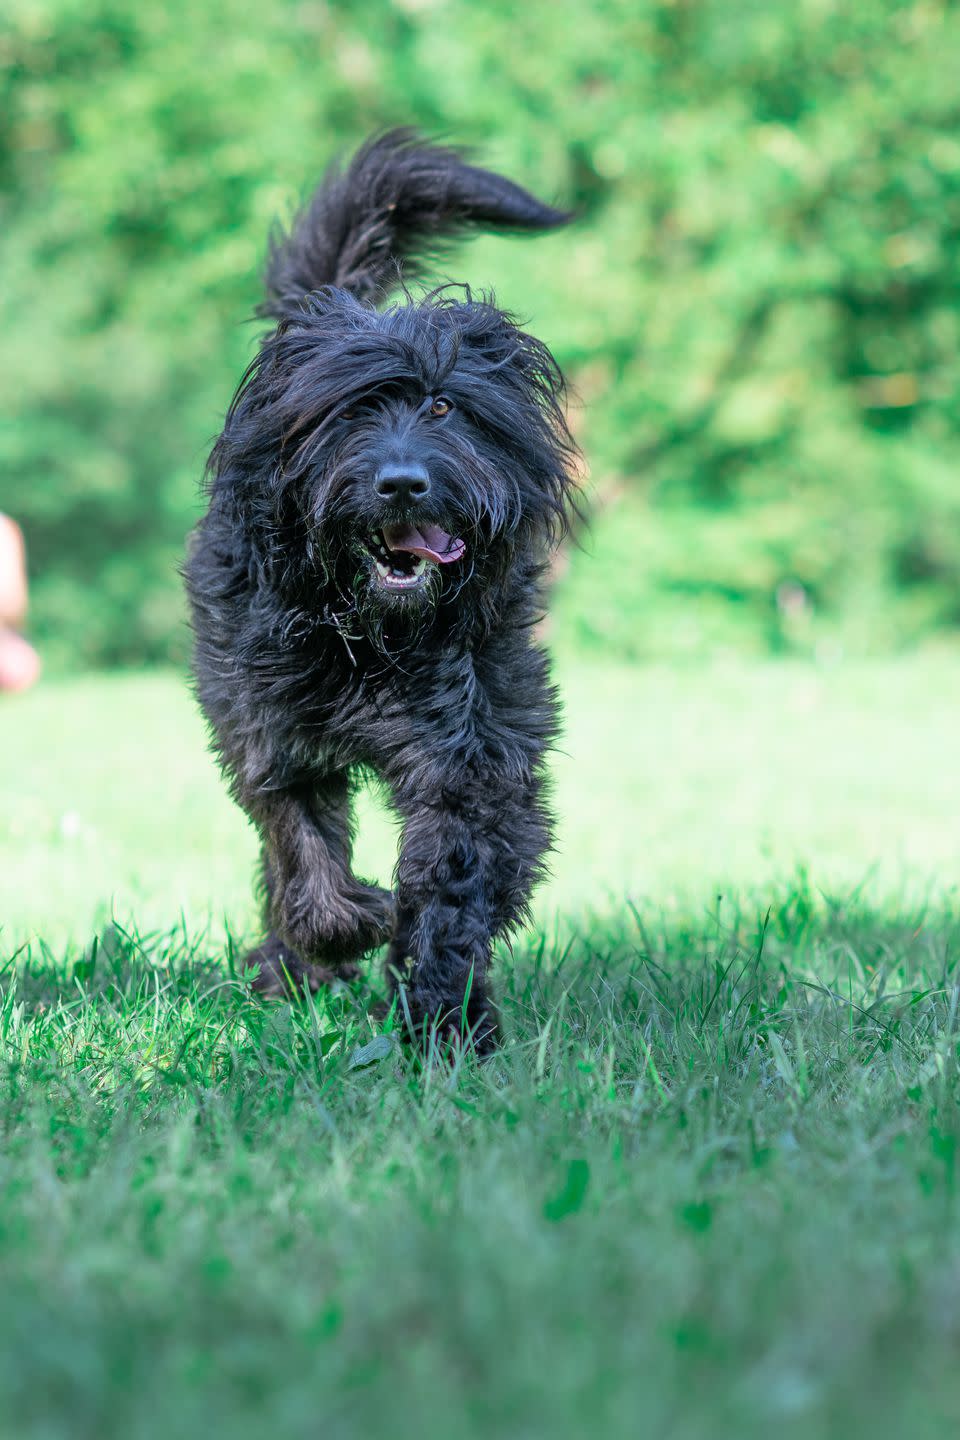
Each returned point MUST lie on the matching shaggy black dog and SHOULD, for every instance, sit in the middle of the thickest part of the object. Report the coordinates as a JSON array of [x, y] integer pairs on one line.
[[365, 583]]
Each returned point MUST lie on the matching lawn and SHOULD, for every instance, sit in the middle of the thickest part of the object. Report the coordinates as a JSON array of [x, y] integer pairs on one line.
[[708, 1187]]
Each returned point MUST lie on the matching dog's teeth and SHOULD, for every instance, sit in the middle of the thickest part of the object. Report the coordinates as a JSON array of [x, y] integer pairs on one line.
[[399, 576]]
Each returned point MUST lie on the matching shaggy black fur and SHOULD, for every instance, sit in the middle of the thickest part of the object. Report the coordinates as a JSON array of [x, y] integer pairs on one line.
[[364, 585]]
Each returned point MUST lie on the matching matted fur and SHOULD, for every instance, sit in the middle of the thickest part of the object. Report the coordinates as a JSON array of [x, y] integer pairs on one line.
[[309, 671]]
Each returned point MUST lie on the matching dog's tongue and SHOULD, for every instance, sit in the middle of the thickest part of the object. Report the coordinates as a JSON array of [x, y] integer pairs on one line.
[[427, 540]]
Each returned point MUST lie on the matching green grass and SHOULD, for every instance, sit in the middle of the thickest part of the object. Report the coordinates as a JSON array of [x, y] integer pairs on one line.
[[708, 1187], [673, 785]]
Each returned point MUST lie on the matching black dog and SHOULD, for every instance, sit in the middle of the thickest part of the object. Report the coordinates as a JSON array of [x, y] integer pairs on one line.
[[365, 583]]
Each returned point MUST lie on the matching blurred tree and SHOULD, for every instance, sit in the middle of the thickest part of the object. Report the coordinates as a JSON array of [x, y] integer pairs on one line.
[[760, 307]]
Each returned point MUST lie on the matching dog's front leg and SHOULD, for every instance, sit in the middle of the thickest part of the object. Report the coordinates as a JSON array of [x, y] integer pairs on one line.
[[467, 866], [321, 918]]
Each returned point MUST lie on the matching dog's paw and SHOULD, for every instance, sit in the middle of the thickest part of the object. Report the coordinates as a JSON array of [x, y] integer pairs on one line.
[[430, 1015], [375, 912], [281, 974], [360, 919]]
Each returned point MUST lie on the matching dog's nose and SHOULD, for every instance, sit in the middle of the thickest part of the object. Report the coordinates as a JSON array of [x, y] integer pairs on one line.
[[402, 483]]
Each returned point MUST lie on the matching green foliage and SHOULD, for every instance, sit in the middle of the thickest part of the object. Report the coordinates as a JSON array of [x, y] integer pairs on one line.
[[760, 307]]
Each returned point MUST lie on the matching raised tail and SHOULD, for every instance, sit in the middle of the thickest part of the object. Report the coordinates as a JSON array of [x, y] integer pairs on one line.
[[395, 207]]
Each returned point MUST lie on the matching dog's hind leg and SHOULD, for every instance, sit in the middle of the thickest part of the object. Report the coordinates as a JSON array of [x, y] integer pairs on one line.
[[281, 972], [320, 917]]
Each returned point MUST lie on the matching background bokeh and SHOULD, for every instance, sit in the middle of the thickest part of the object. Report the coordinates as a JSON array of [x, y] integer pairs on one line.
[[759, 309]]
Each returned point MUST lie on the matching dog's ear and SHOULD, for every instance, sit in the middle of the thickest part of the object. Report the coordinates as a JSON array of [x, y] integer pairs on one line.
[[552, 458], [515, 390]]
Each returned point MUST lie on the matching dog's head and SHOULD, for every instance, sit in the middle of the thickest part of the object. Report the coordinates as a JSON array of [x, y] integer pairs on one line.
[[399, 455]]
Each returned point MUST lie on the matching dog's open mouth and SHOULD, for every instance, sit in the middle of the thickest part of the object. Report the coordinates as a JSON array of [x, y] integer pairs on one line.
[[404, 554]]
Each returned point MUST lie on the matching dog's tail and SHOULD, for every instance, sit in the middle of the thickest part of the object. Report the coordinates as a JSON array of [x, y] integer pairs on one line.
[[395, 207]]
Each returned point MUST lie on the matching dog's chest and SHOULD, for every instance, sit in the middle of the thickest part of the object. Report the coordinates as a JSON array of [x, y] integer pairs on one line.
[[378, 713]]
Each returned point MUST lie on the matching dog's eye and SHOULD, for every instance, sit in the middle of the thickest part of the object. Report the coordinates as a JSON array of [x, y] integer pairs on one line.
[[348, 414], [441, 406]]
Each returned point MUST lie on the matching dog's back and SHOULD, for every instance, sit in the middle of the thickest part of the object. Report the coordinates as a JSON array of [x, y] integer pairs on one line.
[[394, 207]]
